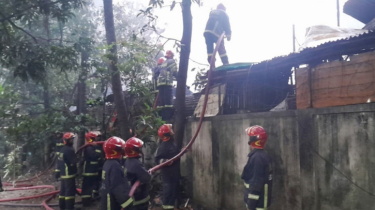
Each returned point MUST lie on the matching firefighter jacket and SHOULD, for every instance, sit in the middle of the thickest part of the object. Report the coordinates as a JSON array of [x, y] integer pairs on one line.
[[115, 187], [136, 171], [101, 157], [59, 146], [217, 23], [168, 70], [90, 161], [257, 177], [168, 150], [67, 162]]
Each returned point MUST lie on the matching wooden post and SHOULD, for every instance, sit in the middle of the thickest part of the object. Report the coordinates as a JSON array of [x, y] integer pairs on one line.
[[294, 38], [338, 13]]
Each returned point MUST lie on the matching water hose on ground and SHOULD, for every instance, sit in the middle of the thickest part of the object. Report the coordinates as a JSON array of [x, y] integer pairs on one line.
[[183, 151]]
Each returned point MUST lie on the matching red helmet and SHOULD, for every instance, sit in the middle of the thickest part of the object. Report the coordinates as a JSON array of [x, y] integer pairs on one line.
[[169, 54], [258, 136], [133, 147], [68, 136], [165, 132], [113, 148], [92, 136], [161, 61], [221, 6]]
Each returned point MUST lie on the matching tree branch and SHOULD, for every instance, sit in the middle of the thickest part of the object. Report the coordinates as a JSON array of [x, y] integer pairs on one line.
[[21, 29]]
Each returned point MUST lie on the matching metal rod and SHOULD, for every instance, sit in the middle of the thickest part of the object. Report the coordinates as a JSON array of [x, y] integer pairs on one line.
[[294, 39], [338, 13]]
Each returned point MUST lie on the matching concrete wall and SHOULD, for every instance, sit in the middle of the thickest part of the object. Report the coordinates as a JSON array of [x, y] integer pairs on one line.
[[306, 147]]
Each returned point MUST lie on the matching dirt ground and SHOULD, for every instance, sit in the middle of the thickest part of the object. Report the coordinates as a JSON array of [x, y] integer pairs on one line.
[[47, 180]]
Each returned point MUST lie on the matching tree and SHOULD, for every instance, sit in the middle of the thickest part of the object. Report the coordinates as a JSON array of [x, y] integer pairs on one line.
[[180, 117], [116, 77]]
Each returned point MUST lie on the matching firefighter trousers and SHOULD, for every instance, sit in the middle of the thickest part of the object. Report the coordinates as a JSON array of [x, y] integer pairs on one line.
[[210, 41], [141, 198], [67, 194], [170, 192], [89, 184], [165, 102]]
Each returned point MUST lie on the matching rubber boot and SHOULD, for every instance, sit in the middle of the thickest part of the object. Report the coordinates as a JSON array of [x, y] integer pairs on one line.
[[62, 203], [224, 59], [69, 204]]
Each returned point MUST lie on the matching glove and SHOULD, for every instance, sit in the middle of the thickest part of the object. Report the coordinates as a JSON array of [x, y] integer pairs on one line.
[[229, 37]]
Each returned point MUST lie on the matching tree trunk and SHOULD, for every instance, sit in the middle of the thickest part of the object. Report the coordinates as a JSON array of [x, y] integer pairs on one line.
[[182, 72], [116, 76], [46, 95], [81, 105]]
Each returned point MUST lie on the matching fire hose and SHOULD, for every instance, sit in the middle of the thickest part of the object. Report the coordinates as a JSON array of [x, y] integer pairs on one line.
[[152, 170], [183, 151]]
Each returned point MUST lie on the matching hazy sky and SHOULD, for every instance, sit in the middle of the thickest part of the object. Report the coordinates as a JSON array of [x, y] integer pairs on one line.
[[261, 29]]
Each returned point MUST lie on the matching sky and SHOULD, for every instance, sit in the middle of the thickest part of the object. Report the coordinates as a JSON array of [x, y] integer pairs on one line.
[[261, 29]]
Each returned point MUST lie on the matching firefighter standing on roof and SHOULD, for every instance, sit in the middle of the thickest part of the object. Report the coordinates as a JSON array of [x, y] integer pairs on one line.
[[217, 23], [168, 72], [59, 145], [156, 72], [170, 174], [90, 168], [68, 171], [136, 171], [115, 187], [257, 174]]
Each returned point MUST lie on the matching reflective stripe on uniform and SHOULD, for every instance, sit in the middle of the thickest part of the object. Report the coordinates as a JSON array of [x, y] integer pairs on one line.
[[94, 162], [86, 196], [254, 197], [108, 202], [210, 54], [168, 207], [69, 197], [127, 203], [246, 185], [90, 174], [68, 177], [223, 55], [141, 201], [57, 153], [259, 209], [61, 197], [66, 170], [98, 151], [265, 196], [59, 144], [168, 106], [57, 170]]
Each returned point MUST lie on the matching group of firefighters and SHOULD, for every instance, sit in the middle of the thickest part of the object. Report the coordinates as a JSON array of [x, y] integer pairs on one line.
[[113, 168], [110, 171]]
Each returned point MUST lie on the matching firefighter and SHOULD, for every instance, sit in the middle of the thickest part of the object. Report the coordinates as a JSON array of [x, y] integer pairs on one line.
[[171, 173], [168, 71], [136, 171], [257, 174], [115, 187], [156, 72], [68, 172], [218, 22], [59, 145], [91, 158], [100, 152]]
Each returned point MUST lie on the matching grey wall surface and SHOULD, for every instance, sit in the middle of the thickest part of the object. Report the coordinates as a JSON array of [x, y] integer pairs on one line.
[[310, 149]]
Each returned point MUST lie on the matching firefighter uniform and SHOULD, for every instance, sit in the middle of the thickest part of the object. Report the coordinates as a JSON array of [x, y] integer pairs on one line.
[[101, 159], [90, 173], [68, 170], [59, 145], [168, 71], [115, 187], [136, 171], [257, 176], [170, 174], [217, 23]]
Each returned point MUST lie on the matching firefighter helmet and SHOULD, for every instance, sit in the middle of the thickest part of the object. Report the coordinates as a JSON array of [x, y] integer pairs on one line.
[[169, 54], [92, 136], [161, 61], [133, 147], [113, 148], [68, 136], [165, 132], [258, 136], [221, 6]]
